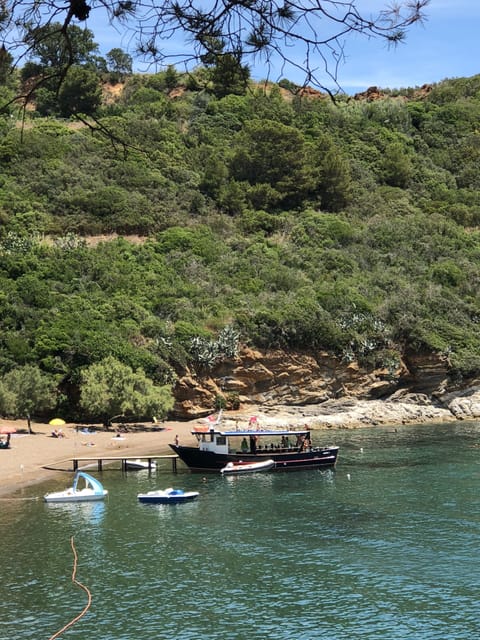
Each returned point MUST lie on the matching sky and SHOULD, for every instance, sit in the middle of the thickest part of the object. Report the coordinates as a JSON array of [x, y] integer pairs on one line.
[[446, 45]]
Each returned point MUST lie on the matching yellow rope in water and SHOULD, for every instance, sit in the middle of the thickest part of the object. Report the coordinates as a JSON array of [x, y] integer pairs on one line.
[[82, 586]]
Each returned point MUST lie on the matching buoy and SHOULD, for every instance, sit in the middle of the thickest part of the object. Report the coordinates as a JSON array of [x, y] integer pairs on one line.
[[348, 476]]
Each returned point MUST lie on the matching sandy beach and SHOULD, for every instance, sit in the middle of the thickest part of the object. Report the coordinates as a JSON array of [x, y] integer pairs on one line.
[[34, 458]]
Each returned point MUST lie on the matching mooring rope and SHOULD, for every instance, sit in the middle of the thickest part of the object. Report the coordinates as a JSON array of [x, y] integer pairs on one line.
[[82, 586], [14, 499]]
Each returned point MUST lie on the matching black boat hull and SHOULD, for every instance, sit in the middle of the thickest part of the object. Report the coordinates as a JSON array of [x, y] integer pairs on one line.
[[207, 461]]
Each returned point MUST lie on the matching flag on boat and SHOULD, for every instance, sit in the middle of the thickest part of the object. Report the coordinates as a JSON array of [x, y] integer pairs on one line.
[[214, 419]]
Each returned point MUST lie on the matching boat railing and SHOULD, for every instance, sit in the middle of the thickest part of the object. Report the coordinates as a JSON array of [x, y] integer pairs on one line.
[[269, 449]]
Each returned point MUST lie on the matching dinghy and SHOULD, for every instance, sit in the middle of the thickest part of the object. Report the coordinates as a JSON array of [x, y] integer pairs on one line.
[[138, 464], [240, 467]]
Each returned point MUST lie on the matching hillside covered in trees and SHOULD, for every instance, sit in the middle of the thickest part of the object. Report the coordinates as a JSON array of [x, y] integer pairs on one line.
[[263, 216]]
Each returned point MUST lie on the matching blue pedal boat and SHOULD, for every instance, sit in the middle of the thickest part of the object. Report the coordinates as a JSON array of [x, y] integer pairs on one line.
[[167, 496]]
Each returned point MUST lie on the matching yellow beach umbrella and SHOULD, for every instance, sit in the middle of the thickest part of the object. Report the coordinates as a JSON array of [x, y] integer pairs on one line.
[[57, 422]]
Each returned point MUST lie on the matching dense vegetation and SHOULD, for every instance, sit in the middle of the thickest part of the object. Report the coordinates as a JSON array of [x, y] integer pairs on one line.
[[265, 217]]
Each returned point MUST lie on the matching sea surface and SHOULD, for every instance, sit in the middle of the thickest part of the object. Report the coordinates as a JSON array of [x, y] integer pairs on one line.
[[384, 547]]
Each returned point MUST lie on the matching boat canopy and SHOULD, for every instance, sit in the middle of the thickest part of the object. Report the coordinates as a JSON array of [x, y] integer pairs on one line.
[[250, 432], [90, 482]]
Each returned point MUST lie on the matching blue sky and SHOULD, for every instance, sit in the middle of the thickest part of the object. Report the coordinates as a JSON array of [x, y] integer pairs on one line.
[[445, 46]]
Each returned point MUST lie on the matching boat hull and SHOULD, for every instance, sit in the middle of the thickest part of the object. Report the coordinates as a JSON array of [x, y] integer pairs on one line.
[[79, 496], [208, 461]]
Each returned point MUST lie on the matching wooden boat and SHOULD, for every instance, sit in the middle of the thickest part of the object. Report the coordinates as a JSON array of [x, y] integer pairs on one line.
[[167, 496], [290, 449], [241, 467], [91, 489], [138, 464]]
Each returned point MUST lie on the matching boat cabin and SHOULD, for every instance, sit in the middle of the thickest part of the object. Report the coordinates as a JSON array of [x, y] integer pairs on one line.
[[253, 441]]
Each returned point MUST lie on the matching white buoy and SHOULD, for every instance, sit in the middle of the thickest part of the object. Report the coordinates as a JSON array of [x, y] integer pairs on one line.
[[361, 449], [348, 476]]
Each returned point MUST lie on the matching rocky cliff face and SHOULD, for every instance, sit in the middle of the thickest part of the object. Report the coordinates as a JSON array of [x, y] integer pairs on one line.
[[292, 379]]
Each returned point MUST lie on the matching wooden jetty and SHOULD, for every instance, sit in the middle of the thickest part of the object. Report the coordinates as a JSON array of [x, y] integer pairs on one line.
[[101, 459]]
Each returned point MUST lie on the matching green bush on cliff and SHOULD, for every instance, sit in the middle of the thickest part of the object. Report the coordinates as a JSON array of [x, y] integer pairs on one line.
[[302, 224]]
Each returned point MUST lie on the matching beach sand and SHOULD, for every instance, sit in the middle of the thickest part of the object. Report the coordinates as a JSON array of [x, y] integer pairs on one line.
[[34, 458]]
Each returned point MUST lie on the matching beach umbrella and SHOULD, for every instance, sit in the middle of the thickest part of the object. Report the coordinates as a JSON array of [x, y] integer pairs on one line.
[[8, 431], [57, 422]]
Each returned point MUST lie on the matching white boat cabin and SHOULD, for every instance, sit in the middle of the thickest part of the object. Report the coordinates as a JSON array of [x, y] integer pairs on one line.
[[256, 441]]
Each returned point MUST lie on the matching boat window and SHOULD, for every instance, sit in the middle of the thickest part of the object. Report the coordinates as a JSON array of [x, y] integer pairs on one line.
[[221, 440]]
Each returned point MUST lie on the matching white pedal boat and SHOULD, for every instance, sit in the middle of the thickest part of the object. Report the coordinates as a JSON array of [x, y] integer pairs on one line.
[[89, 489]]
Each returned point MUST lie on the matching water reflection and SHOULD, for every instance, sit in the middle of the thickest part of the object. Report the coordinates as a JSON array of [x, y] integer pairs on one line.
[[250, 479], [91, 513]]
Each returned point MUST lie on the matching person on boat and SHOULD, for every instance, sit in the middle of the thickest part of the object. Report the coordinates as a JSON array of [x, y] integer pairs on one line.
[[244, 445], [307, 441], [177, 441], [253, 444]]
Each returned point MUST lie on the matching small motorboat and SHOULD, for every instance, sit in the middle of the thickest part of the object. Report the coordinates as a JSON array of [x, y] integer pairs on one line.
[[167, 496], [138, 464], [240, 467], [85, 488]]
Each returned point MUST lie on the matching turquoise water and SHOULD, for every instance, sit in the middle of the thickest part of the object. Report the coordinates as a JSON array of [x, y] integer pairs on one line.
[[384, 547]]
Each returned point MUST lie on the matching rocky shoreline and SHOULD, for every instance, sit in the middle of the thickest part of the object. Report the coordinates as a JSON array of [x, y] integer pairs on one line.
[[352, 413], [292, 389]]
